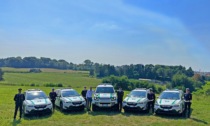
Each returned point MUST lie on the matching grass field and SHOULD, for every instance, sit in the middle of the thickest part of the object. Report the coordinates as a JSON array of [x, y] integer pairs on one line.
[[66, 77], [200, 106]]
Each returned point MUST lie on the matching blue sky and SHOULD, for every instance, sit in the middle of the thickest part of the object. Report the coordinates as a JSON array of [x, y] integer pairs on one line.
[[117, 32]]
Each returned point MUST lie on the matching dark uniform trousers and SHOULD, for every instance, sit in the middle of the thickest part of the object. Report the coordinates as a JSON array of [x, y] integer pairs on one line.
[[53, 96], [19, 98], [120, 95], [187, 97], [151, 96]]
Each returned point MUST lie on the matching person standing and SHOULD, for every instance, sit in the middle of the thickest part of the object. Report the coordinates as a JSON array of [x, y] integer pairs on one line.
[[120, 95], [53, 96], [151, 98], [89, 95], [19, 98], [83, 93], [187, 100]]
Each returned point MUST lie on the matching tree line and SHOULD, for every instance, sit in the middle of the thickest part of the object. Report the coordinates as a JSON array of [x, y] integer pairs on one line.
[[134, 71]]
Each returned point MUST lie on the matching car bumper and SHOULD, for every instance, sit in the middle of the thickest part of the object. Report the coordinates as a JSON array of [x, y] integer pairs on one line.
[[160, 110], [37, 111], [76, 107], [104, 104], [135, 108]]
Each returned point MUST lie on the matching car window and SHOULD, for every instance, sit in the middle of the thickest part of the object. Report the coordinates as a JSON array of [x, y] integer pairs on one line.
[[69, 93], [141, 94], [35, 95], [105, 90], [170, 95]]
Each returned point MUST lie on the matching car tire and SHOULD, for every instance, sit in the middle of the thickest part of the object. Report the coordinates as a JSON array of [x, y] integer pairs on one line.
[[61, 107], [125, 110], [94, 108]]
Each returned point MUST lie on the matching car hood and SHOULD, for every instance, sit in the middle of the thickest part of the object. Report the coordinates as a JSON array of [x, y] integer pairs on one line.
[[134, 99], [38, 101], [73, 99], [168, 101], [105, 95]]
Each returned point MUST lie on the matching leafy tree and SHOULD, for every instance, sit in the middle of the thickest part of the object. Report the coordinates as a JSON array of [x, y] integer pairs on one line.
[[1, 74]]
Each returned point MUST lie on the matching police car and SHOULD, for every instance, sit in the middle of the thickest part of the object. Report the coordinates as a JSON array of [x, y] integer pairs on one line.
[[104, 97], [171, 102], [137, 100], [69, 99], [36, 101]]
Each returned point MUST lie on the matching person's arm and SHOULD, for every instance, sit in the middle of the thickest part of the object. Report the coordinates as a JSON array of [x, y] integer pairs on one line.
[[154, 96], [122, 94], [23, 97], [190, 97], [87, 94]]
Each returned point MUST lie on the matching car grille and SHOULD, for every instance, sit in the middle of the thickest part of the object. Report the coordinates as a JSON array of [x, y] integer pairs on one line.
[[76, 103], [40, 106], [166, 106], [104, 99], [131, 103]]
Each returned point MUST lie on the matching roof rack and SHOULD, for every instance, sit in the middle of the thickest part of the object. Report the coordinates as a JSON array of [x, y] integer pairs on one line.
[[33, 90], [140, 89]]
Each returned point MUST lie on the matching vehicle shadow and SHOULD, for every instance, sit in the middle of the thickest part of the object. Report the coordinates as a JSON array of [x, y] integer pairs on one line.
[[174, 116], [136, 113], [71, 112], [103, 112], [38, 116]]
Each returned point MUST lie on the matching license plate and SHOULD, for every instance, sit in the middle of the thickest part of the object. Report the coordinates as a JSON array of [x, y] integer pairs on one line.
[[166, 110], [105, 105]]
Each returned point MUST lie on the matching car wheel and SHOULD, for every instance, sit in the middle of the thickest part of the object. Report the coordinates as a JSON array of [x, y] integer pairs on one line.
[[61, 107], [93, 108]]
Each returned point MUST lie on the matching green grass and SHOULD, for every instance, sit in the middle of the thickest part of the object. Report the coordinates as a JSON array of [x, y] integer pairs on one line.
[[66, 77], [200, 104], [200, 114]]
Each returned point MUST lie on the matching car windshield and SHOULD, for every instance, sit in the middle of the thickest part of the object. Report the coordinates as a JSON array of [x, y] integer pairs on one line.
[[141, 94], [170, 95], [35, 95], [105, 90], [71, 93]]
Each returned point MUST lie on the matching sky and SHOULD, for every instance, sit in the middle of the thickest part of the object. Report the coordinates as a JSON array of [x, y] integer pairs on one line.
[[117, 32]]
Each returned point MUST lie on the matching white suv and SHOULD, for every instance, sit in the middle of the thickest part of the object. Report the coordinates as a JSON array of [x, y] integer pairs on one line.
[[36, 101], [171, 102], [137, 100], [69, 99], [105, 97]]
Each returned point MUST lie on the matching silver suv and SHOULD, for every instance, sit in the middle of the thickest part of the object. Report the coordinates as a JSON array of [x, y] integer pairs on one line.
[[36, 101], [170, 102], [69, 99], [105, 97], [137, 100]]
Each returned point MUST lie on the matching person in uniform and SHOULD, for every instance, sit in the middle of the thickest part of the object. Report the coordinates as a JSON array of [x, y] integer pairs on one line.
[[120, 95], [53, 96], [19, 98], [83, 93], [187, 99], [151, 98]]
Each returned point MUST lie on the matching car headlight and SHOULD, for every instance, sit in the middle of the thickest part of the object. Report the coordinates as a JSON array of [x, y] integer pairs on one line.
[[49, 104], [156, 103], [96, 98], [30, 106], [141, 102], [176, 106], [113, 98], [124, 102]]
